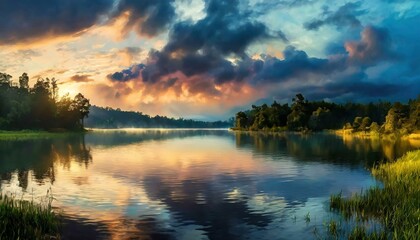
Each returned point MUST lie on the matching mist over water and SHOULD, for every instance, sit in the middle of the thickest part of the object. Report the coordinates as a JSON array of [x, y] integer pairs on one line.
[[191, 184]]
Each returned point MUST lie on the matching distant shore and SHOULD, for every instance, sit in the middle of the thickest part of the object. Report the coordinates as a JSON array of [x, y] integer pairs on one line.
[[36, 134]]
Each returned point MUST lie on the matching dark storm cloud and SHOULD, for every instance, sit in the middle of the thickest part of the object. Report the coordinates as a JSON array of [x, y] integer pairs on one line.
[[346, 15], [296, 63], [127, 74], [148, 17], [353, 85], [225, 29], [204, 55], [203, 61], [201, 48], [28, 20], [375, 45]]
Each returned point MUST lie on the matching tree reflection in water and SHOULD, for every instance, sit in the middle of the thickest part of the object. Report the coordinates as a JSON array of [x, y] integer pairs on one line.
[[342, 150], [37, 159], [164, 183]]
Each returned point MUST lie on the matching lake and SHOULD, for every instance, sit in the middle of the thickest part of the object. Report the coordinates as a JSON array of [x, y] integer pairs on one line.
[[191, 184]]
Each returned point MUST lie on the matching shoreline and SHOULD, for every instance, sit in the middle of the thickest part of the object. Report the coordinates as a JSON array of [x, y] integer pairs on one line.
[[36, 134], [370, 135], [394, 205]]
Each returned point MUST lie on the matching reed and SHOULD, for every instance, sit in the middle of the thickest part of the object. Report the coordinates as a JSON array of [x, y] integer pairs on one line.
[[21, 219], [396, 204]]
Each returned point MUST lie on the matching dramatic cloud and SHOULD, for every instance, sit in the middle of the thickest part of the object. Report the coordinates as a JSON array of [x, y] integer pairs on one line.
[[127, 74], [205, 57], [201, 48], [350, 86], [29, 20], [147, 17], [295, 64], [375, 45], [346, 15], [194, 69], [81, 78]]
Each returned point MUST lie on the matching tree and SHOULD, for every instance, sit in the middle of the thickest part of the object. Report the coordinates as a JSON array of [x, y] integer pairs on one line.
[[241, 120], [43, 108], [278, 114], [22, 107], [5, 80], [298, 118], [81, 105], [24, 81], [357, 123], [414, 119], [54, 89], [396, 118], [319, 119], [366, 122], [374, 127]]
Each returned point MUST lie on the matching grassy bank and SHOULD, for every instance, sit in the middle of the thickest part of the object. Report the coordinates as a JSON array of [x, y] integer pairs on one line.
[[27, 220], [360, 134], [396, 205], [34, 134]]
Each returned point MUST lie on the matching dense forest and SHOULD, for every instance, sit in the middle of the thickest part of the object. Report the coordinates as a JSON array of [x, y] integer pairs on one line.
[[115, 118], [39, 107], [302, 115]]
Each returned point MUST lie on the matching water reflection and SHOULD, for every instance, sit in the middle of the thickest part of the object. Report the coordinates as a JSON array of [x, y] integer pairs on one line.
[[197, 184], [38, 158], [326, 147]]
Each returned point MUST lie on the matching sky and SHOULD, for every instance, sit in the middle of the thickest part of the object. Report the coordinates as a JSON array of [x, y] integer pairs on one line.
[[207, 59]]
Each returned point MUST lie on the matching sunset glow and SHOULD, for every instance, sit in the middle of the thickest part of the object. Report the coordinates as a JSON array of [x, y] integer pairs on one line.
[[208, 59]]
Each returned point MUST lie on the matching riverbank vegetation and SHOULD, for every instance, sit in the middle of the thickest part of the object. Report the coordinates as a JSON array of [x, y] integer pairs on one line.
[[374, 118], [106, 117], [396, 204], [27, 220], [39, 107], [36, 134]]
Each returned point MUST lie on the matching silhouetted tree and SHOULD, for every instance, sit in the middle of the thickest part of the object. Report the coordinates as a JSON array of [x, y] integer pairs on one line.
[[22, 107], [81, 105], [24, 81]]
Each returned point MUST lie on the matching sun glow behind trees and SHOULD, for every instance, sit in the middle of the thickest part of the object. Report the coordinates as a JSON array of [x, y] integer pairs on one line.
[[38, 107]]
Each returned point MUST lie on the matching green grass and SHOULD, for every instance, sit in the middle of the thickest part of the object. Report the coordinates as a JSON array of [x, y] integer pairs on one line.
[[396, 204], [34, 134], [27, 220]]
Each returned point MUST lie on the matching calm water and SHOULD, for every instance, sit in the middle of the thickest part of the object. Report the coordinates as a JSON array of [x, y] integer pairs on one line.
[[191, 184]]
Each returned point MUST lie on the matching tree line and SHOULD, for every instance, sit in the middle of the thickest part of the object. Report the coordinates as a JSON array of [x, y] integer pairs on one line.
[[302, 115], [39, 107], [107, 117]]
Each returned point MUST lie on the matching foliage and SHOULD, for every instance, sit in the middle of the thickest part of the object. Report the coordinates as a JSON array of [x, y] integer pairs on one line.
[[303, 115], [27, 220], [38, 107], [298, 118], [396, 205]]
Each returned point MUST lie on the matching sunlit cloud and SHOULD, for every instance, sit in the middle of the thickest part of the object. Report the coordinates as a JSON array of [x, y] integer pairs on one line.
[[207, 58]]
